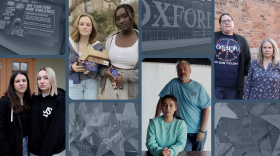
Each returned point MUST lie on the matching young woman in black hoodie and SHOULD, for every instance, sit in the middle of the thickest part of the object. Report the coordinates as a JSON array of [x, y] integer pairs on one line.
[[14, 116], [47, 132]]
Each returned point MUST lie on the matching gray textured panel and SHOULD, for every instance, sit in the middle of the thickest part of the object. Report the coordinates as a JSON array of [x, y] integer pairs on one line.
[[103, 129]]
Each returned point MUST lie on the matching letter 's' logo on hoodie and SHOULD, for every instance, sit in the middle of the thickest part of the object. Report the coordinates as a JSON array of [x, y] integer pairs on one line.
[[47, 112]]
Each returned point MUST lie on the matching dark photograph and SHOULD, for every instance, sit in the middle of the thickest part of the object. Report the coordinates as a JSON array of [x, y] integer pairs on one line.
[[32, 27]]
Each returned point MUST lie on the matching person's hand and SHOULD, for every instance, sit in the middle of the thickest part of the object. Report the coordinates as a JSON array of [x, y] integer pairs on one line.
[[199, 136], [119, 81], [166, 152], [109, 75], [77, 68]]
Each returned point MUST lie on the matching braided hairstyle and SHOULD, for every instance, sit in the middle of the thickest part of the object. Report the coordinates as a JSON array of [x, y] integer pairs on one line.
[[128, 9]]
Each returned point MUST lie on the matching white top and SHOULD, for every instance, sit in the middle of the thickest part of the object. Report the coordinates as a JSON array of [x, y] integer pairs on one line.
[[44, 95], [80, 54], [123, 57]]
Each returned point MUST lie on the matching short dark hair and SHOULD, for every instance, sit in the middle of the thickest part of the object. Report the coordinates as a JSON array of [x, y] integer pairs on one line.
[[223, 15]]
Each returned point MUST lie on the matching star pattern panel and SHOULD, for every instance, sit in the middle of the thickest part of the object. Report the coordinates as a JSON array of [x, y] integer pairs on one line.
[[104, 129]]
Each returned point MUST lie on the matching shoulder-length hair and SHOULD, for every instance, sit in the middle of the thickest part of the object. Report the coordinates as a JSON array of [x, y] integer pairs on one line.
[[275, 55], [14, 100], [52, 79], [75, 34], [173, 98]]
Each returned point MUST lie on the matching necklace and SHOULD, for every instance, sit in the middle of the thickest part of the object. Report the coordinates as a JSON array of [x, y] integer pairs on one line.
[[78, 46], [167, 125]]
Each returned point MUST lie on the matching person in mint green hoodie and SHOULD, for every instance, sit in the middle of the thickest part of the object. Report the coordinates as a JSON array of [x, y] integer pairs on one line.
[[167, 134]]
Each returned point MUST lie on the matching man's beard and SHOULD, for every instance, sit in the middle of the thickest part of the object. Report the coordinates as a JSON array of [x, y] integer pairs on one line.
[[182, 78]]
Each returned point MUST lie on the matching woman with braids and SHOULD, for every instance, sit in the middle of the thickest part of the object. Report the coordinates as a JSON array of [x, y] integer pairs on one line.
[[15, 109], [122, 47], [169, 125]]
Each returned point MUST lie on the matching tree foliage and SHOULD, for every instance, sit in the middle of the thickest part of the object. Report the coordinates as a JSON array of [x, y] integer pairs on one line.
[[105, 20]]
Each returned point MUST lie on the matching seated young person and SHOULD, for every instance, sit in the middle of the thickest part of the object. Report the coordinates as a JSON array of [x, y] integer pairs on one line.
[[167, 134]]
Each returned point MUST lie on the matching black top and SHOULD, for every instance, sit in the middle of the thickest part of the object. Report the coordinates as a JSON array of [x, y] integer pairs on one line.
[[25, 122], [245, 60], [10, 130], [47, 124]]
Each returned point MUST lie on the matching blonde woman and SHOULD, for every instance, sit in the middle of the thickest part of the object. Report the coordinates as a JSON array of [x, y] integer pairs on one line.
[[82, 86], [47, 124], [263, 80]]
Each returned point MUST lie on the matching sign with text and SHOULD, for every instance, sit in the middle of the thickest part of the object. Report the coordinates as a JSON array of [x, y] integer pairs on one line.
[[175, 19], [30, 18], [252, 129]]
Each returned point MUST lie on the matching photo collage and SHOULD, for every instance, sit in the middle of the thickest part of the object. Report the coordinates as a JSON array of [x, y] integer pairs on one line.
[[140, 78]]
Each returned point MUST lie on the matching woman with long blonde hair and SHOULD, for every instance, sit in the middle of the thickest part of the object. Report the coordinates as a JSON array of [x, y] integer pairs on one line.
[[83, 86], [263, 80]]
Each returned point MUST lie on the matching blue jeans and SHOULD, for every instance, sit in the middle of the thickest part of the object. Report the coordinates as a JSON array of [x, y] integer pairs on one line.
[[58, 154], [86, 90], [225, 92], [192, 145], [25, 146]]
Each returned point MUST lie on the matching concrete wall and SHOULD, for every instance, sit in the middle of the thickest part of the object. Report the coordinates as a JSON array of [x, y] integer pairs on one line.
[[57, 64]]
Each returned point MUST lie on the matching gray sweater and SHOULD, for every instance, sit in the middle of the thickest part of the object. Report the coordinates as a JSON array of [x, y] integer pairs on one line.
[[73, 57], [130, 77]]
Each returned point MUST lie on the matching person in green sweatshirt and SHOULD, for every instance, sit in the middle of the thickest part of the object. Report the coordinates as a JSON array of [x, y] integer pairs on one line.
[[167, 134]]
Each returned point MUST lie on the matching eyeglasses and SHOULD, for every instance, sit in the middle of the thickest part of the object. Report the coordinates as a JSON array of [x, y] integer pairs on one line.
[[226, 21]]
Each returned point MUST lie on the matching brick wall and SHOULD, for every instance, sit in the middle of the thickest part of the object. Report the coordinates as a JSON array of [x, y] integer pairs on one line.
[[256, 20]]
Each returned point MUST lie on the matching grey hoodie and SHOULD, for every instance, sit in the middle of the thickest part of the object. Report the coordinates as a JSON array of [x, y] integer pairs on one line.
[[131, 76], [73, 57]]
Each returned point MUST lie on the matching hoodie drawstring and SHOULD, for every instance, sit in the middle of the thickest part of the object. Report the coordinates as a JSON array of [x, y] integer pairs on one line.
[[12, 115]]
